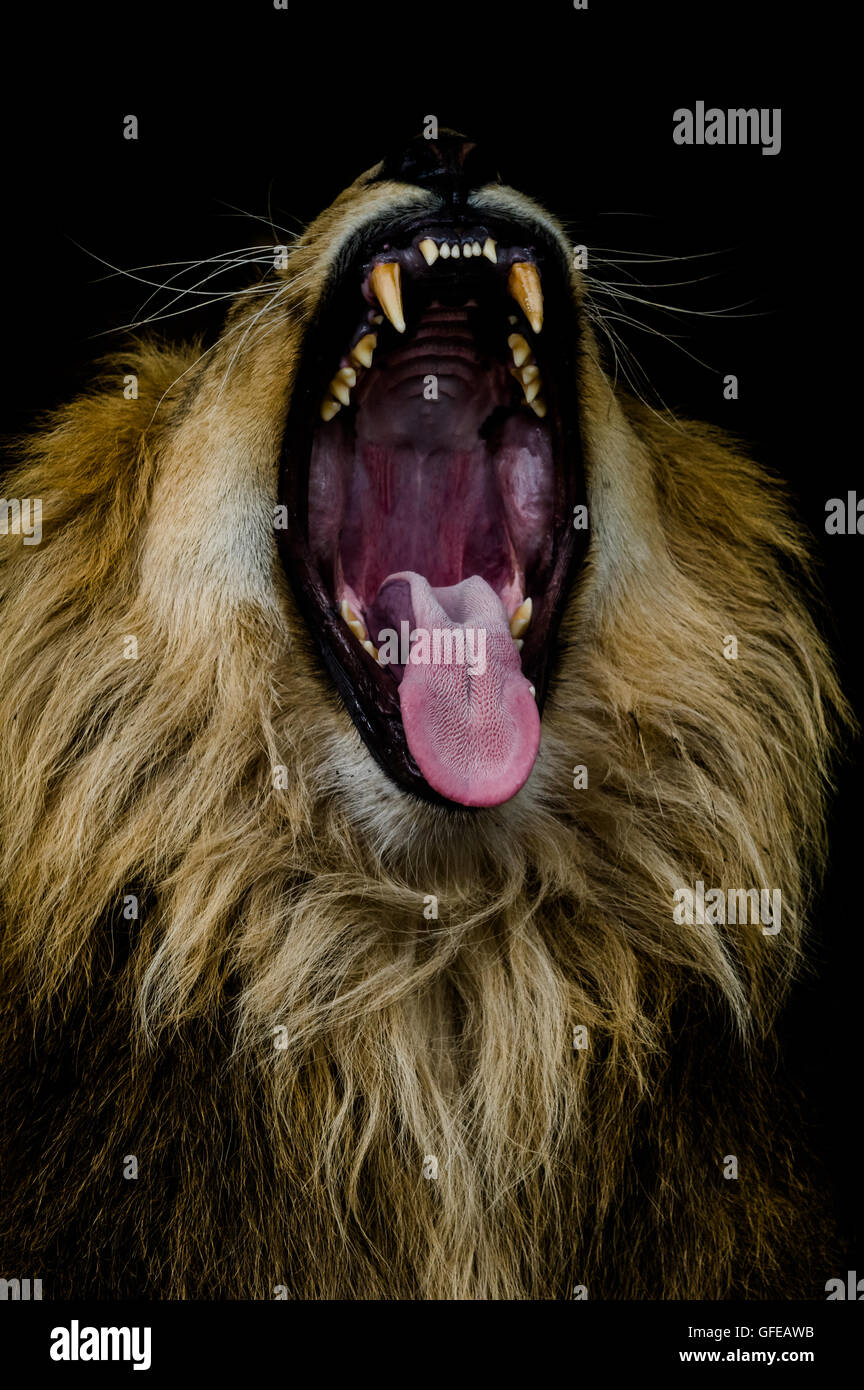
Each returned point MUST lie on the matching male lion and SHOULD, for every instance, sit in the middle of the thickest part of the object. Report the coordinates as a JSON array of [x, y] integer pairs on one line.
[[346, 968]]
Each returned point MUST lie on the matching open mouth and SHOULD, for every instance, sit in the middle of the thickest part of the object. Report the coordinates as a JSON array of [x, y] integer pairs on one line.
[[430, 471]]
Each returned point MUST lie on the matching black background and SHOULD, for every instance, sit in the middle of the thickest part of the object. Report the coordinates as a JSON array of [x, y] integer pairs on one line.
[[245, 107]]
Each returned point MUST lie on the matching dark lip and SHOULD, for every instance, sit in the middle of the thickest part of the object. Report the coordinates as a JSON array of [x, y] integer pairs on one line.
[[368, 691]]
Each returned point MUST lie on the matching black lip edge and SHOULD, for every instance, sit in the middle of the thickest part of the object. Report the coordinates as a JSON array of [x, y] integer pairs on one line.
[[369, 693]]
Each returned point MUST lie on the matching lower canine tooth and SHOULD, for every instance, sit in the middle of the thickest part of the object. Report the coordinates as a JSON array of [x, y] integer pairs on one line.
[[521, 619], [428, 250], [362, 351], [329, 408], [489, 250], [386, 282], [519, 348], [523, 285], [354, 621]]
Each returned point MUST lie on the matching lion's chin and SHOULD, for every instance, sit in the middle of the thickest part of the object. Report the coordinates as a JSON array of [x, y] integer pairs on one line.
[[431, 543]]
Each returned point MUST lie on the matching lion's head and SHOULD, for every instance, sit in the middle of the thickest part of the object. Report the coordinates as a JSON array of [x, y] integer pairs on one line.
[[388, 891]]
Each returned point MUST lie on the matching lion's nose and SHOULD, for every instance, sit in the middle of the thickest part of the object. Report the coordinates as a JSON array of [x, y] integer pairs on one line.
[[450, 164]]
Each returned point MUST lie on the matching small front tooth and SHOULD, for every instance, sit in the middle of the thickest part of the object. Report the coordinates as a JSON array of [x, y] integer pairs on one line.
[[489, 250], [467, 249], [521, 619], [533, 691], [454, 251], [445, 251], [518, 644], [519, 348], [477, 248], [428, 250], [386, 282], [329, 408], [530, 372], [348, 375], [539, 406], [362, 351], [523, 285], [532, 389], [367, 647], [377, 319], [340, 390]]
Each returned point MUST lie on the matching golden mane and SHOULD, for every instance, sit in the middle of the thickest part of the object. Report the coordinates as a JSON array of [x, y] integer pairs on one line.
[[231, 974]]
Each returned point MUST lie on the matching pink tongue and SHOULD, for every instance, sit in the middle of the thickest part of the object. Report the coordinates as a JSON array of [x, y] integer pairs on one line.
[[474, 736]]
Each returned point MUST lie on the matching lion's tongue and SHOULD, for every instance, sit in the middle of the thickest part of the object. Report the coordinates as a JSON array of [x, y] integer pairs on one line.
[[474, 736]]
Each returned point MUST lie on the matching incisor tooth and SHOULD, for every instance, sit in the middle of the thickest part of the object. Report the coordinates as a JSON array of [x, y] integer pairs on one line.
[[363, 349], [521, 619], [368, 647], [476, 248], [340, 390], [454, 251], [489, 250], [329, 408], [518, 644], [519, 348], [539, 407], [348, 375], [467, 249], [386, 282], [531, 389], [428, 250], [524, 285], [445, 251]]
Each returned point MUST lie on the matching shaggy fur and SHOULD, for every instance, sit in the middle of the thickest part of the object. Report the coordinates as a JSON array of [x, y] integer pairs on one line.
[[281, 1036]]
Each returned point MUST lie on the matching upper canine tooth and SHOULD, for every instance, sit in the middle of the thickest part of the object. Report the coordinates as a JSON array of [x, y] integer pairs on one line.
[[444, 251], [386, 282], [523, 284], [489, 250], [363, 349], [428, 250], [520, 349], [521, 619], [329, 408], [340, 390]]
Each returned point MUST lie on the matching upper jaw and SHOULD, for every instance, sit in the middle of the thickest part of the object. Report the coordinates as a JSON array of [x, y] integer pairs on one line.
[[528, 264]]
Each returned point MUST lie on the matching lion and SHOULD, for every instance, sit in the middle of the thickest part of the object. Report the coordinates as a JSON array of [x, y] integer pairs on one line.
[[338, 964]]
